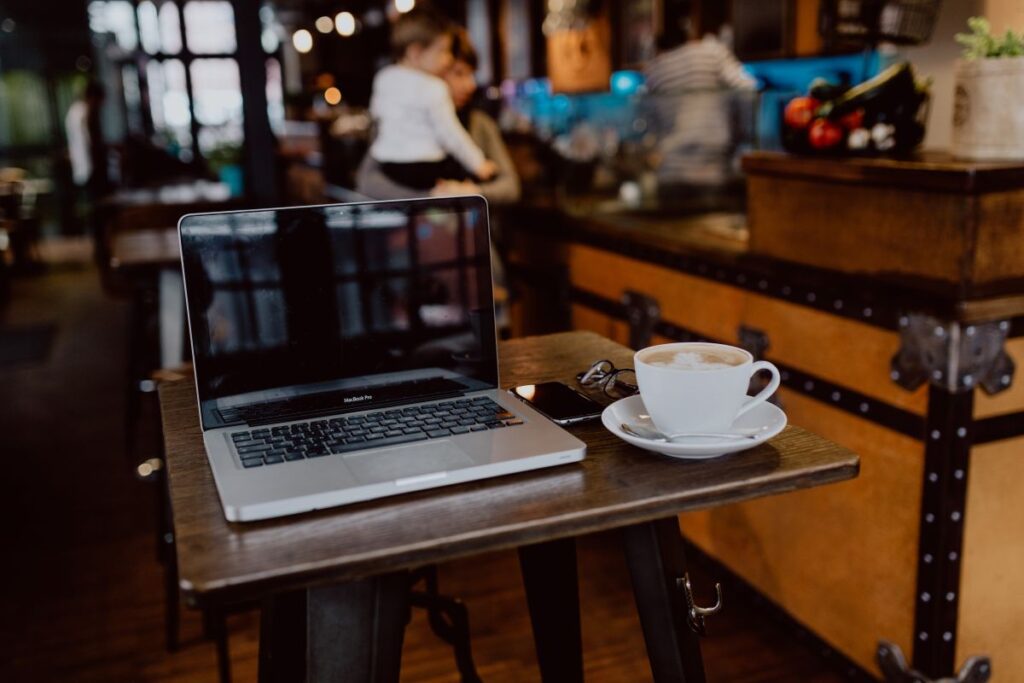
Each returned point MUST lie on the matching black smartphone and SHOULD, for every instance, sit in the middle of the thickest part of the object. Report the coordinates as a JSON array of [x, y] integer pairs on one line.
[[563, 404]]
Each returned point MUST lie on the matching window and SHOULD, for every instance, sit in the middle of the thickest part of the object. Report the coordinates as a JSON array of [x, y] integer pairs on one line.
[[170, 28], [209, 27], [116, 17], [275, 96], [149, 27], [168, 98], [218, 104]]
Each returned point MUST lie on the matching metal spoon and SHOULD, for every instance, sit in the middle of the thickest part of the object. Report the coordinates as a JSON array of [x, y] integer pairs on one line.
[[654, 435]]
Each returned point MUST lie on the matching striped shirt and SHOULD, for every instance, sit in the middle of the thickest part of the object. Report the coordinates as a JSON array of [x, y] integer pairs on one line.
[[697, 65], [692, 88]]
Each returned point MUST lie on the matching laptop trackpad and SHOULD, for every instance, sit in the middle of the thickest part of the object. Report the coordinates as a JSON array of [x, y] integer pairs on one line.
[[415, 460]]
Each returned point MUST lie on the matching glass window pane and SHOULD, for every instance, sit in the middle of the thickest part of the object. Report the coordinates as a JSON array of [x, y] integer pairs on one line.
[[149, 27], [116, 17], [210, 27], [132, 97], [275, 96], [170, 28], [168, 105], [218, 92], [156, 87], [176, 112]]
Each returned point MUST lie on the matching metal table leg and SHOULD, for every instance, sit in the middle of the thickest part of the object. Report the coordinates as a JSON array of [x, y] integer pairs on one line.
[[657, 565], [552, 594]]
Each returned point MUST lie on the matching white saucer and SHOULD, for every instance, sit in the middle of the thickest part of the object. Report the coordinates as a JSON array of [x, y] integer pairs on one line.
[[766, 420]]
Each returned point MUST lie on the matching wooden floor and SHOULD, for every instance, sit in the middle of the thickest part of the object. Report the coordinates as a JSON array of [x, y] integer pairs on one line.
[[82, 597]]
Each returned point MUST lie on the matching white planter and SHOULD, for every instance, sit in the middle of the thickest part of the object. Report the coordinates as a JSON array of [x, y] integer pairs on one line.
[[988, 109]]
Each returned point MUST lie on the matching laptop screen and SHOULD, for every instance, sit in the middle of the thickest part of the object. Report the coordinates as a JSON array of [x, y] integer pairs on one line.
[[317, 310]]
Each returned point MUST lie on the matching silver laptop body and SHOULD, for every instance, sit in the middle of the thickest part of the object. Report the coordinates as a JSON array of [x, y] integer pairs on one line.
[[347, 352]]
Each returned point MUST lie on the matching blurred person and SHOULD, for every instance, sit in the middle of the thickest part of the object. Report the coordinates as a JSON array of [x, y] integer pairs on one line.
[[692, 86], [504, 188], [420, 140], [87, 148]]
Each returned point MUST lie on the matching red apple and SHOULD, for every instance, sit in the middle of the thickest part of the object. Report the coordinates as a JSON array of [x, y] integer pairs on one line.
[[824, 134], [800, 111]]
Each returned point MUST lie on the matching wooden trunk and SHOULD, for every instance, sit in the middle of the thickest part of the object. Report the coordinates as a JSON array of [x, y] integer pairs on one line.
[[932, 219], [845, 562]]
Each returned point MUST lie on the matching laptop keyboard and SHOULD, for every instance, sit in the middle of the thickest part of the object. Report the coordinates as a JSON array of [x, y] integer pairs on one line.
[[319, 438]]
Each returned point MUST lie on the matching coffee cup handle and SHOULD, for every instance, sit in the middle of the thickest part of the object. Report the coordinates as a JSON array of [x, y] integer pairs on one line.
[[765, 393]]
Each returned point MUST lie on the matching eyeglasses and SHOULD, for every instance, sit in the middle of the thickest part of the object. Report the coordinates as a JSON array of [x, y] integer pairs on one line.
[[614, 382]]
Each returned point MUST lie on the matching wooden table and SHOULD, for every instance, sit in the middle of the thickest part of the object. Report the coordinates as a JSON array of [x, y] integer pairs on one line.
[[333, 582]]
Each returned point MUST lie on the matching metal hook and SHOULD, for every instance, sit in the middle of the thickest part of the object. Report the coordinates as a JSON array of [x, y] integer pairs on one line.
[[695, 613]]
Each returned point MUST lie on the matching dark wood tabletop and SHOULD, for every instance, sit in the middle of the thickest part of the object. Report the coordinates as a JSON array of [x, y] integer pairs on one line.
[[146, 248], [616, 485]]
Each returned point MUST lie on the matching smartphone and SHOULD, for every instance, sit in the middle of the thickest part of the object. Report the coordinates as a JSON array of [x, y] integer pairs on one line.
[[563, 404]]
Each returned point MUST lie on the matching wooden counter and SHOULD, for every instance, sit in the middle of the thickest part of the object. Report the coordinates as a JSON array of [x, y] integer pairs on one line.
[[929, 216], [888, 363]]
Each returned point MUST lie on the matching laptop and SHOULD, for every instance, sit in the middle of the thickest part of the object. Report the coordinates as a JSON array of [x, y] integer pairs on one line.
[[347, 352]]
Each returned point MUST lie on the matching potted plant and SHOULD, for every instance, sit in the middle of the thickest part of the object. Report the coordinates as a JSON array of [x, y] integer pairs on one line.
[[988, 110]]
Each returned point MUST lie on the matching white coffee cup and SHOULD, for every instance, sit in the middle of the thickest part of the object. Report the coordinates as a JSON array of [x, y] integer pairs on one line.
[[698, 387]]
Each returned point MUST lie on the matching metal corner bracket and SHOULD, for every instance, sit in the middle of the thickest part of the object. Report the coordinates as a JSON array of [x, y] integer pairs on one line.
[[951, 355]]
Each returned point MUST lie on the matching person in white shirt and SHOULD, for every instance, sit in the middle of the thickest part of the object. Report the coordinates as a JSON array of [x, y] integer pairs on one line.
[[420, 139], [86, 147]]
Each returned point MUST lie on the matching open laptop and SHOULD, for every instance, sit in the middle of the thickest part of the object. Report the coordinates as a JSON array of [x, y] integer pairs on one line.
[[347, 352]]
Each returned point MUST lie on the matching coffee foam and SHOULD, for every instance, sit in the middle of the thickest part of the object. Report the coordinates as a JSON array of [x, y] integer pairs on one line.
[[695, 359]]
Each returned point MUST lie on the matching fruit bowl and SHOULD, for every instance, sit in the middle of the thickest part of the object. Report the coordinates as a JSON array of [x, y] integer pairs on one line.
[[883, 115]]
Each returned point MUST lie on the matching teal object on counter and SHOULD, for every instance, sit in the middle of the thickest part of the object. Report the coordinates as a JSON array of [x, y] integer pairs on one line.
[[231, 175]]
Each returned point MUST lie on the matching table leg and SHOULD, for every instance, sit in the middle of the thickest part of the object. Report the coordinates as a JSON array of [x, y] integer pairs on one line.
[[654, 552], [283, 638], [346, 632], [552, 595], [171, 293]]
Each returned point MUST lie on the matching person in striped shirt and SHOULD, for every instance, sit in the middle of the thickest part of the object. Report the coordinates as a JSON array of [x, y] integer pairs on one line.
[[692, 87]]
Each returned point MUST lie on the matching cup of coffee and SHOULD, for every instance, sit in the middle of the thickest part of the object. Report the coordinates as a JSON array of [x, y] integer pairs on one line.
[[698, 387]]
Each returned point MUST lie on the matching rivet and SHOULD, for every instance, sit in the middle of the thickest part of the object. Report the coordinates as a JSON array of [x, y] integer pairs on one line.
[[933, 477], [762, 285], [926, 596], [935, 435], [836, 396], [939, 332], [812, 297], [1005, 380], [955, 516], [1004, 326], [968, 380], [929, 518], [950, 596], [895, 374], [961, 432], [947, 636], [959, 474], [970, 330], [937, 374], [787, 290], [808, 385], [922, 635], [864, 407], [952, 556], [927, 558], [868, 312], [904, 321], [838, 304]]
